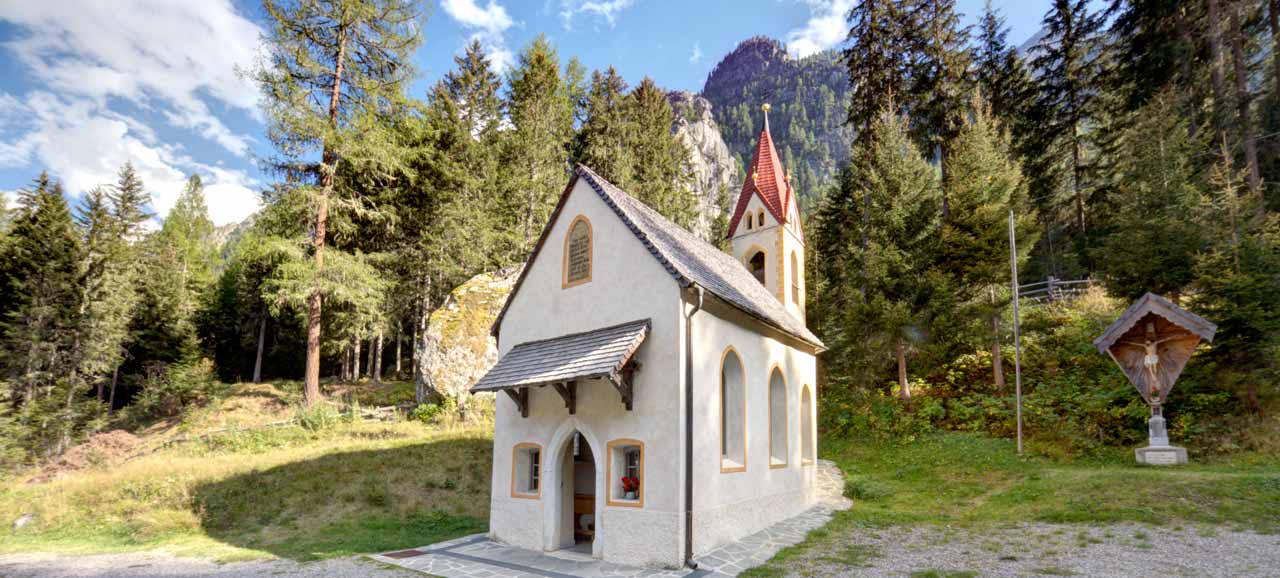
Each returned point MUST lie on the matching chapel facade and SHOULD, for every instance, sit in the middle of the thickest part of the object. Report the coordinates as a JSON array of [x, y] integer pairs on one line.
[[655, 395]]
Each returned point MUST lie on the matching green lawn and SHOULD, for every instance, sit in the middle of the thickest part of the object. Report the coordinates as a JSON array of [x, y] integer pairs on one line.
[[959, 479]]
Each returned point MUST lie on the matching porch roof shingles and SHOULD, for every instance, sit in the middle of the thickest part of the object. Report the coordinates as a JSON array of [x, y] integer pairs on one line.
[[601, 353]]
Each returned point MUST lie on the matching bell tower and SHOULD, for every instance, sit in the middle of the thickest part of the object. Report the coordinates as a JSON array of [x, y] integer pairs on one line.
[[765, 227]]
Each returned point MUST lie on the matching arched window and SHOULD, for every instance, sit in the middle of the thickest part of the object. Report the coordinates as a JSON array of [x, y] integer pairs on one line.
[[760, 218], [795, 279], [577, 253], [733, 413], [807, 449], [777, 419], [756, 266]]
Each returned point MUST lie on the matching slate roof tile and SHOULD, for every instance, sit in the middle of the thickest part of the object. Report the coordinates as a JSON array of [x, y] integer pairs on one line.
[[589, 355]]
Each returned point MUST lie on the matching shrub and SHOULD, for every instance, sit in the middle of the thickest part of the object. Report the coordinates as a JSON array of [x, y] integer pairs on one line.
[[319, 417], [857, 488], [167, 390]]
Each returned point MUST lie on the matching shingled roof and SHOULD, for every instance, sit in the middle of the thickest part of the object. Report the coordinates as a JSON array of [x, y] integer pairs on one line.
[[690, 260], [594, 354], [765, 178]]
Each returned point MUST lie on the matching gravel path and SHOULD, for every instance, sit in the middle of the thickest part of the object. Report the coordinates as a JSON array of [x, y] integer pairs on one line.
[[1118, 550], [161, 565]]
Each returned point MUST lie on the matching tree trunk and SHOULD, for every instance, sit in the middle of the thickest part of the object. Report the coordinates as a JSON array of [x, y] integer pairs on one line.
[[262, 338], [904, 388], [377, 358], [355, 362], [1214, 35], [399, 342], [997, 356], [328, 165], [1243, 99], [115, 378], [1273, 18], [421, 380]]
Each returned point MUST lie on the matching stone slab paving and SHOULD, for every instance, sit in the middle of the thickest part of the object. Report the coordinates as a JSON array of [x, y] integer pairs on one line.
[[477, 556]]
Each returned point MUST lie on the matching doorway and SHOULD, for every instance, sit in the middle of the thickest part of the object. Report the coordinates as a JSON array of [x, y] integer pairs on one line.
[[578, 496]]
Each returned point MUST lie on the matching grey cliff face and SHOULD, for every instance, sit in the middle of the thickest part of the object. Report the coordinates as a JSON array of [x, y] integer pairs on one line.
[[714, 170]]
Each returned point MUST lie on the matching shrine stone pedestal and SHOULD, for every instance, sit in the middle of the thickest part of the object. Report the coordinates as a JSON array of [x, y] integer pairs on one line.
[[1158, 451]]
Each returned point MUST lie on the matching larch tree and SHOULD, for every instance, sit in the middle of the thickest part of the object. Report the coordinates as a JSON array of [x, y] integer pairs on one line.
[[331, 65]]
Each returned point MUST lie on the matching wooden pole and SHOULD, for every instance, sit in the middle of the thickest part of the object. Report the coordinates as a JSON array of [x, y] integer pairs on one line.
[[1017, 334]]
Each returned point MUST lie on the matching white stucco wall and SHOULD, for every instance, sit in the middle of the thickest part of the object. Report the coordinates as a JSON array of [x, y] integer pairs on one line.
[[728, 506], [778, 243], [627, 284]]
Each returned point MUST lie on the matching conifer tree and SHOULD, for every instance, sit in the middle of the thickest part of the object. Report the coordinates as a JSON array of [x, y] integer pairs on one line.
[[109, 293], [940, 77], [1003, 79], [877, 61], [42, 271], [332, 66], [1152, 234], [984, 183], [603, 139], [879, 299], [541, 107], [660, 176], [1067, 66]]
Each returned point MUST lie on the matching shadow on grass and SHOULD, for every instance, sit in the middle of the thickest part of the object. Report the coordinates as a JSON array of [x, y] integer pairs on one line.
[[356, 502]]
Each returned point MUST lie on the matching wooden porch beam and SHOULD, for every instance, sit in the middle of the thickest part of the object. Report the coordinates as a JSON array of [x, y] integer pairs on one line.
[[521, 397], [568, 391]]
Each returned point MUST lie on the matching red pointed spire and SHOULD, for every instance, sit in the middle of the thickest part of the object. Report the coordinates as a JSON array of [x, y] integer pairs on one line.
[[766, 178]]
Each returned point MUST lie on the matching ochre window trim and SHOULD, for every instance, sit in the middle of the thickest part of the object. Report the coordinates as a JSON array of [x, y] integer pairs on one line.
[[760, 218], [743, 365], [609, 479], [795, 278], [813, 426], [515, 470], [565, 283], [786, 422]]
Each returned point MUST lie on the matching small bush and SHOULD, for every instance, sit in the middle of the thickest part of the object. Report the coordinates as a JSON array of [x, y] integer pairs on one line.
[[168, 389], [856, 488], [317, 418]]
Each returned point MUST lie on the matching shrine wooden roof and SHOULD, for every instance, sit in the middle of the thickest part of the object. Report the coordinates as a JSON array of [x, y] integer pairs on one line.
[[601, 353], [1152, 303]]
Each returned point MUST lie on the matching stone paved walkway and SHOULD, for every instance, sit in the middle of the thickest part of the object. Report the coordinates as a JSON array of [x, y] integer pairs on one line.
[[478, 557]]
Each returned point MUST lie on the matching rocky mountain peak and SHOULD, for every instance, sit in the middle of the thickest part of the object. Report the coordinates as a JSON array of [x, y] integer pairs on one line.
[[715, 172]]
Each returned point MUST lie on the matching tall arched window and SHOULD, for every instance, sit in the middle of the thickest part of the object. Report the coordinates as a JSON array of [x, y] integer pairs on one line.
[[777, 419], [733, 413], [756, 266], [795, 279], [807, 448], [760, 218], [577, 252]]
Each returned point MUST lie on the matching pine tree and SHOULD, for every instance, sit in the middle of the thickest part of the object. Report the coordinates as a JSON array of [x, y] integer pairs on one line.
[[602, 141], [1003, 79], [940, 77], [1152, 234], [1067, 66], [541, 107], [1155, 49], [331, 66], [1235, 275], [984, 184], [42, 271], [660, 176], [877, 59], [108, 291], [879, 298]]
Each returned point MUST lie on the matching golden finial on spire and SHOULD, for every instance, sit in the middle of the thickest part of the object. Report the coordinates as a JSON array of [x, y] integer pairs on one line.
[[765, 107]]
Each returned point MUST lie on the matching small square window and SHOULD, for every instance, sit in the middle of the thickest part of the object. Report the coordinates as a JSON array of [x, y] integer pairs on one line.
[[626, 473], [526, 471]]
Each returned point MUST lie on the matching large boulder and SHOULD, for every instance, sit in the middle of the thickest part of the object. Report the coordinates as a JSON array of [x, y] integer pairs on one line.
[[714, 170], [457, 349]]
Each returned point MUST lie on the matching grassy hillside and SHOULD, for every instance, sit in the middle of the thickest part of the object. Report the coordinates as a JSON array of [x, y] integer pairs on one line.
[[347, 487]]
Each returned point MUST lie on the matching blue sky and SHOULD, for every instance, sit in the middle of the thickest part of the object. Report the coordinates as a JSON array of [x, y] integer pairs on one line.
[[86, 85]]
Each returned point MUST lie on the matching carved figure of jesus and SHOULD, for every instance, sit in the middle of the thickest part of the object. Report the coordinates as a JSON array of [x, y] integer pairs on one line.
[[1151, 359]]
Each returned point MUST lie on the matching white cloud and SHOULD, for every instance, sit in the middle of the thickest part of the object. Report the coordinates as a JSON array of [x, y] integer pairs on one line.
[[696, 56], [175, 60], [172, 57], [84, 145], [490, 24], [826, 27], [605, 9]]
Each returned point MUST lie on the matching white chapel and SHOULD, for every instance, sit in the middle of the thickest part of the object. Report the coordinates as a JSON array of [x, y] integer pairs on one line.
[[658, 394]]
